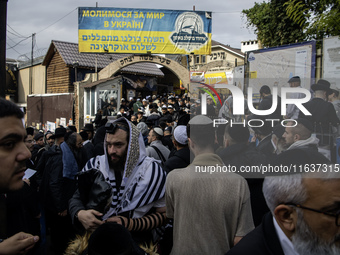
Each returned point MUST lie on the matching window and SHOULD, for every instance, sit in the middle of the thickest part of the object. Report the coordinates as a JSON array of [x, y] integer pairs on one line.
[[197, 59], [90, 95], [203, 59], [101, 97]]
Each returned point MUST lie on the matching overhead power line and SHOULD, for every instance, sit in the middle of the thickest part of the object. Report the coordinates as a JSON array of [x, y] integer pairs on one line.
[[15, 32], [13, 49], [57, 21], [18, 43]]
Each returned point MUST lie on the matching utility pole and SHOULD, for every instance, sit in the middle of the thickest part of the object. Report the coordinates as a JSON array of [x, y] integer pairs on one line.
[[30, 91], [3, 26], [96, 56]]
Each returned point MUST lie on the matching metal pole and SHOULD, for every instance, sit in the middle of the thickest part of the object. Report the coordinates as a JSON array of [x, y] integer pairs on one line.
[[30, 91], [3, 26]]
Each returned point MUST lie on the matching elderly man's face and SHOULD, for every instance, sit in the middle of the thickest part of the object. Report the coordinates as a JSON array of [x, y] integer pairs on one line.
[[13, 153], [317, 233]]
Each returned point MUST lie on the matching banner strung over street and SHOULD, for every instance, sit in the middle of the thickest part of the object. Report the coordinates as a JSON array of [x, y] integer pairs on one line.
[[123, 30]]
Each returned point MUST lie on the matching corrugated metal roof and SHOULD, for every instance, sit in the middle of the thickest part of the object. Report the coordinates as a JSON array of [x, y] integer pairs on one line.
[[69, 53]]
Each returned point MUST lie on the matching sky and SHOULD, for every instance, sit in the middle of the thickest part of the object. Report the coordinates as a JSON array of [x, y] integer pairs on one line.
[[58, 20]]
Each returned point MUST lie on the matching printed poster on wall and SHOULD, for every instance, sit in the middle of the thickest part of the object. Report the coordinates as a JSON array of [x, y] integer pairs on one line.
[[155, 31]]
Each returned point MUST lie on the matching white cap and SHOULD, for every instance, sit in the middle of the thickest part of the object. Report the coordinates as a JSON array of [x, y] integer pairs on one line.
[[180, 134], [159, 131]]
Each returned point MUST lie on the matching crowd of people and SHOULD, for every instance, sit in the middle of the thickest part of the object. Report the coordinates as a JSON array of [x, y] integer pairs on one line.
[[154, 181]]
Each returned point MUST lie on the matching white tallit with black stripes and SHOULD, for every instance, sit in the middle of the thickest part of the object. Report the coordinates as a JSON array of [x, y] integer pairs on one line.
[[143, 183]]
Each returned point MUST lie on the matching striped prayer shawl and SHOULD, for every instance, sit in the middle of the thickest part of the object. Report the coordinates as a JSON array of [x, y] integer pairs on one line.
[[138, 194]]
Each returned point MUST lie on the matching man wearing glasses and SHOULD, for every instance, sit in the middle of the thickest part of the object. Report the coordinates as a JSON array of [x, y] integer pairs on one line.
[[304, 216]]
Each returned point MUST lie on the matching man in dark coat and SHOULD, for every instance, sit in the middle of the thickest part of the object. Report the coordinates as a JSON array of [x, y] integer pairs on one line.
[[264, 136], [13, 156], [88, 148], [263, 240], [322, 111], [323, 118], [167, 138], [38, 147], [57, 187], [181, 157], [267, 102]]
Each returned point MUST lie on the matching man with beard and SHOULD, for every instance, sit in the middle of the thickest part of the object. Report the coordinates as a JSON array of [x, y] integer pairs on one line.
[[58, 184], [304, 217], [137, 184], [300, 146], [13, 156], [48, 140]]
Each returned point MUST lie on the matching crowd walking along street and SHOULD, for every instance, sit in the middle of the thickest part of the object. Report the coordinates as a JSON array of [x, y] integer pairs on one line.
[[148, 136]]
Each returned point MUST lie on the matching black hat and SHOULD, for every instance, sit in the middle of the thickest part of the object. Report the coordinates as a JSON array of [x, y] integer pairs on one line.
[[184, 119], [260, 126], [59, 132], [321, 85], [239, 133], [30, 131], [294, 79], [306, 123], [265, 89], [88, 127], [38, 136], [84, 135], [169, 119], [72, 128], [278, 130]]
